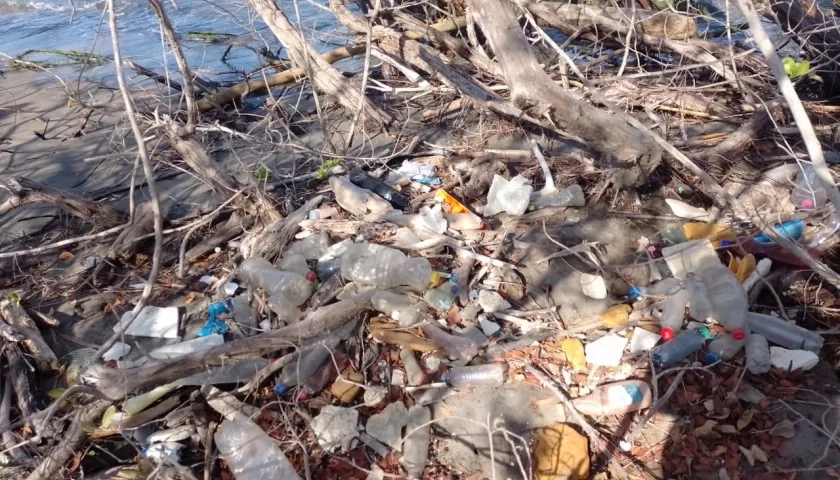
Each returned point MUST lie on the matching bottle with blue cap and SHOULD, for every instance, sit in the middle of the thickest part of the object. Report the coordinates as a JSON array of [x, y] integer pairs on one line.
[[615, 399], [686, 343]]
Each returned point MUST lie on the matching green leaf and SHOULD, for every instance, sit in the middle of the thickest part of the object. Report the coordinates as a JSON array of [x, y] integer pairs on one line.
[[324, 171], [14, 298], [263, 174], [55, 393], [108, 417], [795, 69]]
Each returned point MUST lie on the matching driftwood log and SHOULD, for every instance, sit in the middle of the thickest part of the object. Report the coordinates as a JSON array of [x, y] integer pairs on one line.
[[271, 240], [23, 191], [16, 316]]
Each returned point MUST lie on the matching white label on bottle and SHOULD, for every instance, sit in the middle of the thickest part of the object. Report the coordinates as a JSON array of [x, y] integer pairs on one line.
[[624, 395]]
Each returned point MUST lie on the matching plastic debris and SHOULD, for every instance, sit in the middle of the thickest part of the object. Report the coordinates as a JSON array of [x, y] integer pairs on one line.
[[684, 210], [615, 399], [593, 286], [492, 302], [166, 453], [250, 453], [449, 203], [387, 425], [606, 351], [783, 333], [215, 324], [561, 452], [643, 340], [116, 352], [616, 316], [574, 351], [792, 360], [510, 196], [158, 322], [200, 344], [336, 427], [492, 374], [683, 345], [418, 437]]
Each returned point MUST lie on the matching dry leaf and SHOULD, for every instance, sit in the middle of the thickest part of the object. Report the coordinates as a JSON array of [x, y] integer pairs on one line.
[[723, 474], [745, 419], [190, 298], [705, 429], [64, 256], [784, 429], [749, 454], [728, 429], [833, 472], [759, 454], [719, 450], [722, 415], [710, 405]]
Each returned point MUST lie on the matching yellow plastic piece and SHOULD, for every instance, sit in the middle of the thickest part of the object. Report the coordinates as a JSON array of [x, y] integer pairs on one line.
[[575, 355], [745, 268], [715, 232], [616, 316]]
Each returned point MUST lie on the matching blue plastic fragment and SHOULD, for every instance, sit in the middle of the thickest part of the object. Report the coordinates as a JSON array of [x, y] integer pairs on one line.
[[792, 230], [215, 325], [635, 292], [280, 389]]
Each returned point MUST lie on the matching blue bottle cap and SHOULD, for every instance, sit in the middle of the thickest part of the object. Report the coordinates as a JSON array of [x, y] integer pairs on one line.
[[635, 292], [280, 389], [711, 358], [725, 243]]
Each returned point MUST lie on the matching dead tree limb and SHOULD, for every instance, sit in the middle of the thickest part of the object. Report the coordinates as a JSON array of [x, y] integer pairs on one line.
[[324, 76], [270, 242], [533, 90], [27, 393], [161, 79], [23, 191], [16, 316], [740, 140], [234, 226]]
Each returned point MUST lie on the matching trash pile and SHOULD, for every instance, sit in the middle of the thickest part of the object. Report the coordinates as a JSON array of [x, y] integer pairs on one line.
[[386, 314]]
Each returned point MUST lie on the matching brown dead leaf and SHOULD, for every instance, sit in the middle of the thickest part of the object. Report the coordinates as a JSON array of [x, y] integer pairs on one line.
[[723, 474], [706, 429], [710, 405], [722, 415], [190, 298], [749, 454], [759, 454], [728, 429], [833, 472], [745, 419], [784, 429], [64, 256], [718, 451]]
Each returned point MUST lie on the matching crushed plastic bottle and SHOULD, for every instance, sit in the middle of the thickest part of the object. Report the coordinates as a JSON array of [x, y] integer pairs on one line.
[[511, 196], [699, 306], [492, 375], [357, 200], [673, 315], [831, 227], [724, 347], [250, 453], [615, 399], [306, 365], [399, 307], [668, 286], [295, 263], [292, 288], [414, 374], [418, 437], [809, 193], [758, 354], [727, 297], [455, 347], [785, 334], [442, 297], [386, 268], [567, 197], [395, 198], [683, 345]]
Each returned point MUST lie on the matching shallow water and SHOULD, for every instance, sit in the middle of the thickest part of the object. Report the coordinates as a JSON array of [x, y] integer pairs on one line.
[[54, 24]]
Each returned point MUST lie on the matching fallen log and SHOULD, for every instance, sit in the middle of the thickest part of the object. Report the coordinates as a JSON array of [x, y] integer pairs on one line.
[[24, 191], [13, 314], [740, 140], [270, 242]]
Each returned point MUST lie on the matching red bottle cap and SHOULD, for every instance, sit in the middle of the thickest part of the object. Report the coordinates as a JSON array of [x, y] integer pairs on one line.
[[312, 276], [667, 334], [807, 203], [739, 334]]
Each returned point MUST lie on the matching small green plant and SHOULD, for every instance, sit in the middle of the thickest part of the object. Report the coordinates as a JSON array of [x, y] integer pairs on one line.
[[13, 298], [324, 171], [263, 174], [795, 69]]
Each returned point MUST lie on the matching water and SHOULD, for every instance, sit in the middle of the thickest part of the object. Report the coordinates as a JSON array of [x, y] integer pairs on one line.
[[53, 24]]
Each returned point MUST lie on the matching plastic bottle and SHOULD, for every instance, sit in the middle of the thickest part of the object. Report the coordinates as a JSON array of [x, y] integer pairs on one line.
[[832, 225], [699, 306], [683, 345], [455, 347], [673, 315], [291, 287], [199, 344], [615, 398], [463, 221], [323, 213], [567, 197], [414, 373], [295, 263], [399, 307], [758, 354], [783, 333], [492, 375], [673, 234], [387, 268], [355, 200], [724, 347], [668, 286], [395, 198], [727, 297], [442, 297], [809, 192], [418, 437], [250, 453]]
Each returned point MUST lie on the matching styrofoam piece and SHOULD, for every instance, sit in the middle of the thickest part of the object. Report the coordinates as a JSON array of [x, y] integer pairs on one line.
[[593, 286], [643, 340], [762, 268], [488, 327], [689, 257], [176, 350], [793, 359], [606, 351], [208, 280], [157, 322], [116, 352], [231, 288], [684, 210]]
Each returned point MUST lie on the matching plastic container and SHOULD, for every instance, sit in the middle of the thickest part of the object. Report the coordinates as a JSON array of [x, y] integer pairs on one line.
[[292, 288], [727, 297], [443, 297], [809, 193], [668, 286], [512, 196], [673, 315], [250, 453], [832, 225], [567, 197], [323, 213], [399, 307], [387, 268], [699, 306], [414, 373], [199, 344], [784, 334], [395, 198], [758, 354], [455, 347], [615, 399], [492, 375], [418, 437], [683, 345], [724, 347], [463, 221]]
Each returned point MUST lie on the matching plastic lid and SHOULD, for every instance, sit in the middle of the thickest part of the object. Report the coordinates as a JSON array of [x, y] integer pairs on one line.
[[807, 203], [739, 333], [635, 292], [435, 279], [725, 243], [667, 334], [711, 358], [311, 276], [280, 389]]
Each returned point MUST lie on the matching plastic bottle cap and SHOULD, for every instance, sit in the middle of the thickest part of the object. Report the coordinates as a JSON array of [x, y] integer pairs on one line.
[[667, 334], [635, 292], [725, 243], [807, 203], [739, 334], [712, 358], [280, 389], [311, 276], [435, 279]]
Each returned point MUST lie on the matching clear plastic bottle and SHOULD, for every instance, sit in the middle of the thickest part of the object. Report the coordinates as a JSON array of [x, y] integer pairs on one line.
[[399, 307], [291, 287], [571, 196], [758, 354], [414, 373], [809, 193], [783, 333], [668, 286], [683, 345], [727, 297], [250, 453], [388, 268], [724, 347], [615, 399], [443, 297], [357, 200], [673, 315], [455, 347], [492, 375], [418, 437], [699, 306], [831, 227]]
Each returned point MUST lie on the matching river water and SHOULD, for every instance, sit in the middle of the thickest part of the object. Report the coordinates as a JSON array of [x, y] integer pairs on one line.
[[54, 24]]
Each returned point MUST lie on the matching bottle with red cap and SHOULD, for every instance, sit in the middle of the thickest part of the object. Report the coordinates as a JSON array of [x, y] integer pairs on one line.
[[725, 346], [809, 192], [673, 314], [727, 297]]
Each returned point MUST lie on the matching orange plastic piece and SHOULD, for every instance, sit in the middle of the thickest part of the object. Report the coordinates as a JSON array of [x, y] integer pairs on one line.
[[715, 232], [450, 205]]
